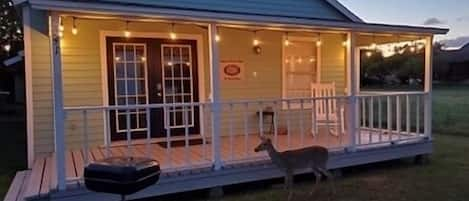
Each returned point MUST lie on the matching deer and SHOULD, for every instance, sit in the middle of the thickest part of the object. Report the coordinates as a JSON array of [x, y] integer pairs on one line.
[[314, 158]]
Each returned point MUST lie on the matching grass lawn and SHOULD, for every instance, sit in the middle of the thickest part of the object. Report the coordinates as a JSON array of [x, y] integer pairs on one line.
[[445, 179]]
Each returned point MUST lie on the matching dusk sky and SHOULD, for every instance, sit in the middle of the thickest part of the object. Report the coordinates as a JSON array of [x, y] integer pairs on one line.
[[452, 14]]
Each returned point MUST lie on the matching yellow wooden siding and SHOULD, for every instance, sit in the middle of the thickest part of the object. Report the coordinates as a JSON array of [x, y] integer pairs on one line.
[[83, 76]]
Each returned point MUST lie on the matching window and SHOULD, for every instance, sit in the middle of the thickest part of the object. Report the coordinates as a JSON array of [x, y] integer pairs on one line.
[[300, 68]]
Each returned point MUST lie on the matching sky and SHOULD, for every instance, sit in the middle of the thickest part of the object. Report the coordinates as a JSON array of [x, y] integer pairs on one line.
[[452, 14]]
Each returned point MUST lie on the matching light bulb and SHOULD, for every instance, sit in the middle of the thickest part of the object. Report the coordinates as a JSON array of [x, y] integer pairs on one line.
[[173, 36], [61, 34], [412, 49], [256, 42], [127, 33], [369, 54], [74, 31], [217, 38], [7, 47], [373, 46], [318, 43], [287, 42], [345, 43]]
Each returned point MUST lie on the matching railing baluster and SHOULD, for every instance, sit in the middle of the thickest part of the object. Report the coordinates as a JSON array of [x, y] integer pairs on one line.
[[288, 124], [231, 116], [417, 118], [371, 120], [315, 126], [359, 129], [204, 136], [363, 112], [261, 119], [148, 122], [107, 137], [246, 130], [85, 137], [380, 118], [407, 110], [302, 131], [398, 116], [389, 118], [275, 121], [129, 134], [168, 136], [186, 135], [328, 120]]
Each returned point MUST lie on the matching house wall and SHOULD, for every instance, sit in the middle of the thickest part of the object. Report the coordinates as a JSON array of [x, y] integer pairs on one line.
[[82, 73]]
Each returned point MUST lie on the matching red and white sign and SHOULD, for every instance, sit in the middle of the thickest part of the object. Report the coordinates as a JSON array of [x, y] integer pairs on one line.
[[232, 70]]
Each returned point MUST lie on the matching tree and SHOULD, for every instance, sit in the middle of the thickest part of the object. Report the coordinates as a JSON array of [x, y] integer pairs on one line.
[[11, 35]]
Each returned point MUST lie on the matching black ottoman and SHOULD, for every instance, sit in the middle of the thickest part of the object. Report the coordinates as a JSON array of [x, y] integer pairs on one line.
[[121, 175]]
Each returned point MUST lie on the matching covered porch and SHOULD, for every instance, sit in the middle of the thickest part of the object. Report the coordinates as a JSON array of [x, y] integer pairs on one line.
[[217, 87]]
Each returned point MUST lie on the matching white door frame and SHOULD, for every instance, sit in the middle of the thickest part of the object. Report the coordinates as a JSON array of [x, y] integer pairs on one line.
[[200, 65]]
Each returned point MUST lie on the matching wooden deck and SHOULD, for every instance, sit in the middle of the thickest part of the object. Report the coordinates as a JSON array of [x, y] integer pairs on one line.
[[182, 160]]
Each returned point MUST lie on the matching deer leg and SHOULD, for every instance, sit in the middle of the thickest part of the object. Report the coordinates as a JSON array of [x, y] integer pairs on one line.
[[318, 179], [329, 176]]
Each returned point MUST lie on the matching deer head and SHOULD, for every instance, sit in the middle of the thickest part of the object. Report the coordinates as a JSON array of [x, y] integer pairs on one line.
[[264, 145]]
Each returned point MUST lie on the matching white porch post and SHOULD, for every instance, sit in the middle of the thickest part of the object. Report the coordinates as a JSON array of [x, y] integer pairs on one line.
[[352, 89], [59, 113], [428, 86], [216, 106]]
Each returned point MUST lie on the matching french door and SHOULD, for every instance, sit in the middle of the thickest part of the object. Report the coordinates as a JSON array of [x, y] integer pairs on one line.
[[152, 71]]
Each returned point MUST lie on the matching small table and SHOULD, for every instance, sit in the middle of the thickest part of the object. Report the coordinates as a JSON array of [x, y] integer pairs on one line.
[[268, 112]]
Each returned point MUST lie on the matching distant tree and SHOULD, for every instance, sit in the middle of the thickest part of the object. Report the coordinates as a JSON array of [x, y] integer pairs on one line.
[[11, 34]]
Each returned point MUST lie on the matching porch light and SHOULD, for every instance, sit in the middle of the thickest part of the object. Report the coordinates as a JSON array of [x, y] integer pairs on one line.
[[127, 33], [287, 41], [61, 34], [74, 28], [217, 37], [143, 59], [413, 49], [117, 58], [172, 34], [345, 43]]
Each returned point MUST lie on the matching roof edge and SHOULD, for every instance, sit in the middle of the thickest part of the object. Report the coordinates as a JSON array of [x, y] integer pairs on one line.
[[345, 11], [204, 17]]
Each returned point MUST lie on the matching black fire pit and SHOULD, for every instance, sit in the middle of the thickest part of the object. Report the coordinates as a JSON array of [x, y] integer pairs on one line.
[[121, 175]]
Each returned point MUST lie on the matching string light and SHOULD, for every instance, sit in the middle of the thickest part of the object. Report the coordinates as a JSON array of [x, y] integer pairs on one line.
[[61, 24], [172, 34], [255, 41], [217, 37], [127, 33], [287, 41], [374, 45], [369, 53], [74, 27], [7, 47], [319, 41]]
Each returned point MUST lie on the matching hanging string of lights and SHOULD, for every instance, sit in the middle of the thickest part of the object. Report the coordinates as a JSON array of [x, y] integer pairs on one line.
[[256, 41]]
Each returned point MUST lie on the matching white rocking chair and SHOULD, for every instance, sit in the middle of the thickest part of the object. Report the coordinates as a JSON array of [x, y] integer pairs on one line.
[[326, 112]]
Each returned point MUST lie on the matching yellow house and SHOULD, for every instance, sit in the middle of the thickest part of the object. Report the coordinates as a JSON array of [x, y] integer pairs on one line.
[[194, 83]]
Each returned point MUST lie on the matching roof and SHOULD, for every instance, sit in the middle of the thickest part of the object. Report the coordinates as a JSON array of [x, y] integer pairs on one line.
[[299, 13]]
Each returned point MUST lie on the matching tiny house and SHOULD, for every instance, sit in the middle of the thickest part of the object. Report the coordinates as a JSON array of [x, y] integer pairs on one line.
[[193, 84]]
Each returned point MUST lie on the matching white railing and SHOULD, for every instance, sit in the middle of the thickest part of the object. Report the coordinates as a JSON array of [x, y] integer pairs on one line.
[[391, 117], [290, 123]]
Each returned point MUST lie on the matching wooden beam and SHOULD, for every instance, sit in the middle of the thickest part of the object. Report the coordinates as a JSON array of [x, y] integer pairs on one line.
[[428, 86], [59, 113], [216, 106], [29, 84], [352, 88]]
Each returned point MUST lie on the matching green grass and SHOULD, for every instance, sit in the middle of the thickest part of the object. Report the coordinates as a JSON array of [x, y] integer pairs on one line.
[[451, 110], [445, 178]]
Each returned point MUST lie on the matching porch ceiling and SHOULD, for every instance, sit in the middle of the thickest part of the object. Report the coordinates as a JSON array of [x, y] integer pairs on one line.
[[97, 9]]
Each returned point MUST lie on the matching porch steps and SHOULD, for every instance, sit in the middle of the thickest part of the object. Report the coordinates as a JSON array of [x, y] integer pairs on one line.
[[18, 186]]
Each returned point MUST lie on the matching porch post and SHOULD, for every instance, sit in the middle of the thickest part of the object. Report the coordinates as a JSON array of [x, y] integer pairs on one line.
[[428, 86], [59, 113], [352, 89], [216, 106]]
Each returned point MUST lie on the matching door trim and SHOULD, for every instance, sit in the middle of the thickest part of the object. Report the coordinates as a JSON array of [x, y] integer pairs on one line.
[[104, 77]]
